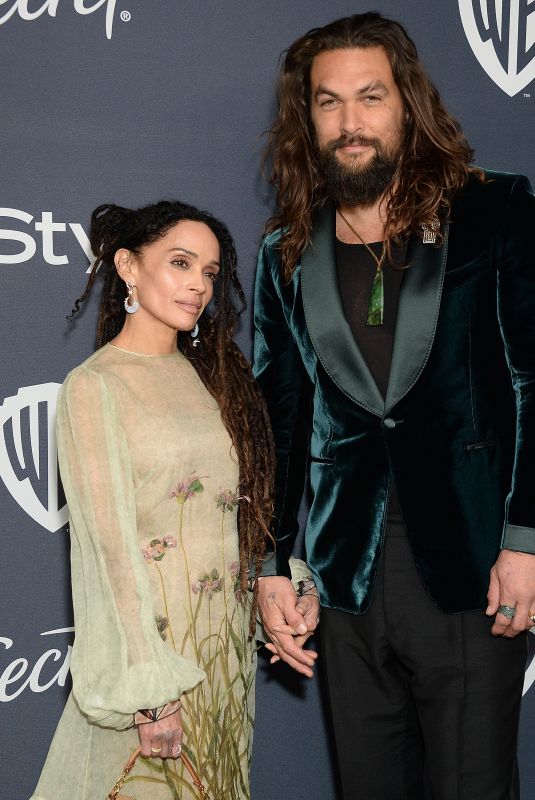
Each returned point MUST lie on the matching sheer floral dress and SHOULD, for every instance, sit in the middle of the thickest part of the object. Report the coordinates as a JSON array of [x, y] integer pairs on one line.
[[151, 481]]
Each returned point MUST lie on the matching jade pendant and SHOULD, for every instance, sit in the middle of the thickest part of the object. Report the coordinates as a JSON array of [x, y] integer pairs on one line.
[[376, 306]]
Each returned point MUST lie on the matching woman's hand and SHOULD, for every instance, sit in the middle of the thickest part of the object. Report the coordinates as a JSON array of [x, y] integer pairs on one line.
[[163, 738]]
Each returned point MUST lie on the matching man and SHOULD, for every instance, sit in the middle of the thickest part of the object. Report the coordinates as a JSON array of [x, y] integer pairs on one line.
[[395, 338]]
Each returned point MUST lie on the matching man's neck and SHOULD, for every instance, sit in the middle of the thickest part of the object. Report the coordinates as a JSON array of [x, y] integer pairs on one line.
[[368, 221]]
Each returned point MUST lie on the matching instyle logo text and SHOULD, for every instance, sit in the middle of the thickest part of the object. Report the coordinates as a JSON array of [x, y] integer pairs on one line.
[[44, 232]]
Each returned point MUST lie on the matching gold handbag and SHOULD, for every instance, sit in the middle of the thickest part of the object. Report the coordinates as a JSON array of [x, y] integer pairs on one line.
[[129, 766]]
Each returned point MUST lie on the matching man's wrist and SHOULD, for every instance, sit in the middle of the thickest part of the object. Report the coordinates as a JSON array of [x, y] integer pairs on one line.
[[519, 538], [251, 582]]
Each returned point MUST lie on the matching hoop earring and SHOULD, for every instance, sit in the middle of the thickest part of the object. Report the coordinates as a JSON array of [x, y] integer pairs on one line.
[[130, 303], [194, 333]]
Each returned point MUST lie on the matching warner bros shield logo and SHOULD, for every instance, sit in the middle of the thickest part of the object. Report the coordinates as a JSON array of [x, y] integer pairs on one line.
[[28, 454], [502, 35]]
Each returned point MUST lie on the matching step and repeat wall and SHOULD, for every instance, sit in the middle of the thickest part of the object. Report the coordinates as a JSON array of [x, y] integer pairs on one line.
[[131, 101]]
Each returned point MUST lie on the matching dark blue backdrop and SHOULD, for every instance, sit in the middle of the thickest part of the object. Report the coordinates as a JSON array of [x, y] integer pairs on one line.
[[132, 101]]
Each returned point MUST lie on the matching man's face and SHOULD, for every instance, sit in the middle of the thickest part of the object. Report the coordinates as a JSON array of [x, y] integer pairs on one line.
[[358, 117]]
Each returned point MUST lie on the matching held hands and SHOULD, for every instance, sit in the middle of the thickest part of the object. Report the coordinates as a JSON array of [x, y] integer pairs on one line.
[[289, 621], [163, 738], [512, 584]]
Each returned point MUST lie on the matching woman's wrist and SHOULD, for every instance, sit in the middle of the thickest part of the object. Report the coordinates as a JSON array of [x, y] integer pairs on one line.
[[145, 715], [307, 586]]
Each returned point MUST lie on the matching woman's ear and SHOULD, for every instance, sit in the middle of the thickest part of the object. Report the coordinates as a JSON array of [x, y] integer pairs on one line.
[[124, 264]]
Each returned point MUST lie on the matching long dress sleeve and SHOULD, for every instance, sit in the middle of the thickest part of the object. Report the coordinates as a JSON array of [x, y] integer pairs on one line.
[[119, 662]]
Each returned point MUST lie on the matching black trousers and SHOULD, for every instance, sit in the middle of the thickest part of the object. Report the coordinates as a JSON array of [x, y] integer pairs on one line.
[[424, 704]]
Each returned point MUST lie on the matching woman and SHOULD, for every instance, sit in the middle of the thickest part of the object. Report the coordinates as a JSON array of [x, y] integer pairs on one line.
[[166, 460]]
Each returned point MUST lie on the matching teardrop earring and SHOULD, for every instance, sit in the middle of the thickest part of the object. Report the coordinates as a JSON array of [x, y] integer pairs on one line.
[[194, 333], [130, 303]]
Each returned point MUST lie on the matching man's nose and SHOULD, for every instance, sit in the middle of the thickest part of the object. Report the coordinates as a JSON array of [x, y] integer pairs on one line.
[[351, 121]]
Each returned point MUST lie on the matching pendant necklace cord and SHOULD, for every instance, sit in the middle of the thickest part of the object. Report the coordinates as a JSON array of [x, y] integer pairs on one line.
[[379, 261], [376, 305]]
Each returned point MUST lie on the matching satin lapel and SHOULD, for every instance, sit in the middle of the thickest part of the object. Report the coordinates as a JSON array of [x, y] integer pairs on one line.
[[419, 304], [327, 326]]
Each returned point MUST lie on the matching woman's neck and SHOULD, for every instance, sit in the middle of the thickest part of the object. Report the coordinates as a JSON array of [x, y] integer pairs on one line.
[[140, 336]]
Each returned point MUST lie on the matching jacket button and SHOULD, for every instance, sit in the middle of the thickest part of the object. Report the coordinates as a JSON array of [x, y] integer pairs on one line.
[[388, 422]]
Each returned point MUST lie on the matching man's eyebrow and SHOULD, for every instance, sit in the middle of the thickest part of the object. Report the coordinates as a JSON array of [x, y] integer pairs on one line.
[[374, 86], [324, 90]]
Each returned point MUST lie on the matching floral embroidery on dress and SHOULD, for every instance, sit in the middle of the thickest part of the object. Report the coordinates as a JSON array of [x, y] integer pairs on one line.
[[235, 569], [188, 487], [155, 549], [215, 636], [227, 500], [207, 583]]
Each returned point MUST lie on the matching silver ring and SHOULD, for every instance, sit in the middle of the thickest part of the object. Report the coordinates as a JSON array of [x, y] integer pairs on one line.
[[177, 749], [156, 750], [507, 611]]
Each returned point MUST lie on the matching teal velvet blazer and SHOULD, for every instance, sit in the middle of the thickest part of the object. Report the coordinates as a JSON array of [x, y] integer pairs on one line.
[[457, 428]]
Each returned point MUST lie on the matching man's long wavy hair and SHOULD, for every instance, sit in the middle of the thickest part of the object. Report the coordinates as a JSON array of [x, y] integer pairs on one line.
[[218, 361], [435, 160]]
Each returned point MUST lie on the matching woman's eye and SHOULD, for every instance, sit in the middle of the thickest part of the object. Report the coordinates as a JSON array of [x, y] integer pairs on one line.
[[212, 276], [180, 262]]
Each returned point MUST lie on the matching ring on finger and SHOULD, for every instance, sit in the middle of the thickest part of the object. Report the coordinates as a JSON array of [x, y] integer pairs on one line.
[[507, 611], [177, 749], [156, 750]]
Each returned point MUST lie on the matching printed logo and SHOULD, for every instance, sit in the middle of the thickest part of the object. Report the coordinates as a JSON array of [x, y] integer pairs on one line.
[[36, 678], [529, 677], [28, 454], [82, 7], [46, 234], [501, 34]]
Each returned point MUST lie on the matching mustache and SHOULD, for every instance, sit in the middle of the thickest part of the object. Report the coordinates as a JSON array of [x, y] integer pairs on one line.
[[347, 141]]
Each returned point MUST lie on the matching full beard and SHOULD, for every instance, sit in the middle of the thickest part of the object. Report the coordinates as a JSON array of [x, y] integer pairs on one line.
[[355, 184]]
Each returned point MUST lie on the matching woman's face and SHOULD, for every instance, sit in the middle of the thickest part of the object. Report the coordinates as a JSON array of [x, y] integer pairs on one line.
[[174, 276]]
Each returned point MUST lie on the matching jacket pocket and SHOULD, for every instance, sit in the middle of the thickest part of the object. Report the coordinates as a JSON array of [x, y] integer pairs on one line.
[[317, 460]]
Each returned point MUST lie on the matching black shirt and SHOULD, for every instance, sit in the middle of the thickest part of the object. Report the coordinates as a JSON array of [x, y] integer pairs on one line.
[[356, 270]]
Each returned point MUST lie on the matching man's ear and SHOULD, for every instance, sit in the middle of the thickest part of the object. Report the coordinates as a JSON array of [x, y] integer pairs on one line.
[[124, 264]]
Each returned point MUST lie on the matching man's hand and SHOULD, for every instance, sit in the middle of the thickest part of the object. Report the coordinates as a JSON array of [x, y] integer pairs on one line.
[[163, 738], [289, 621], [512, 583]]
